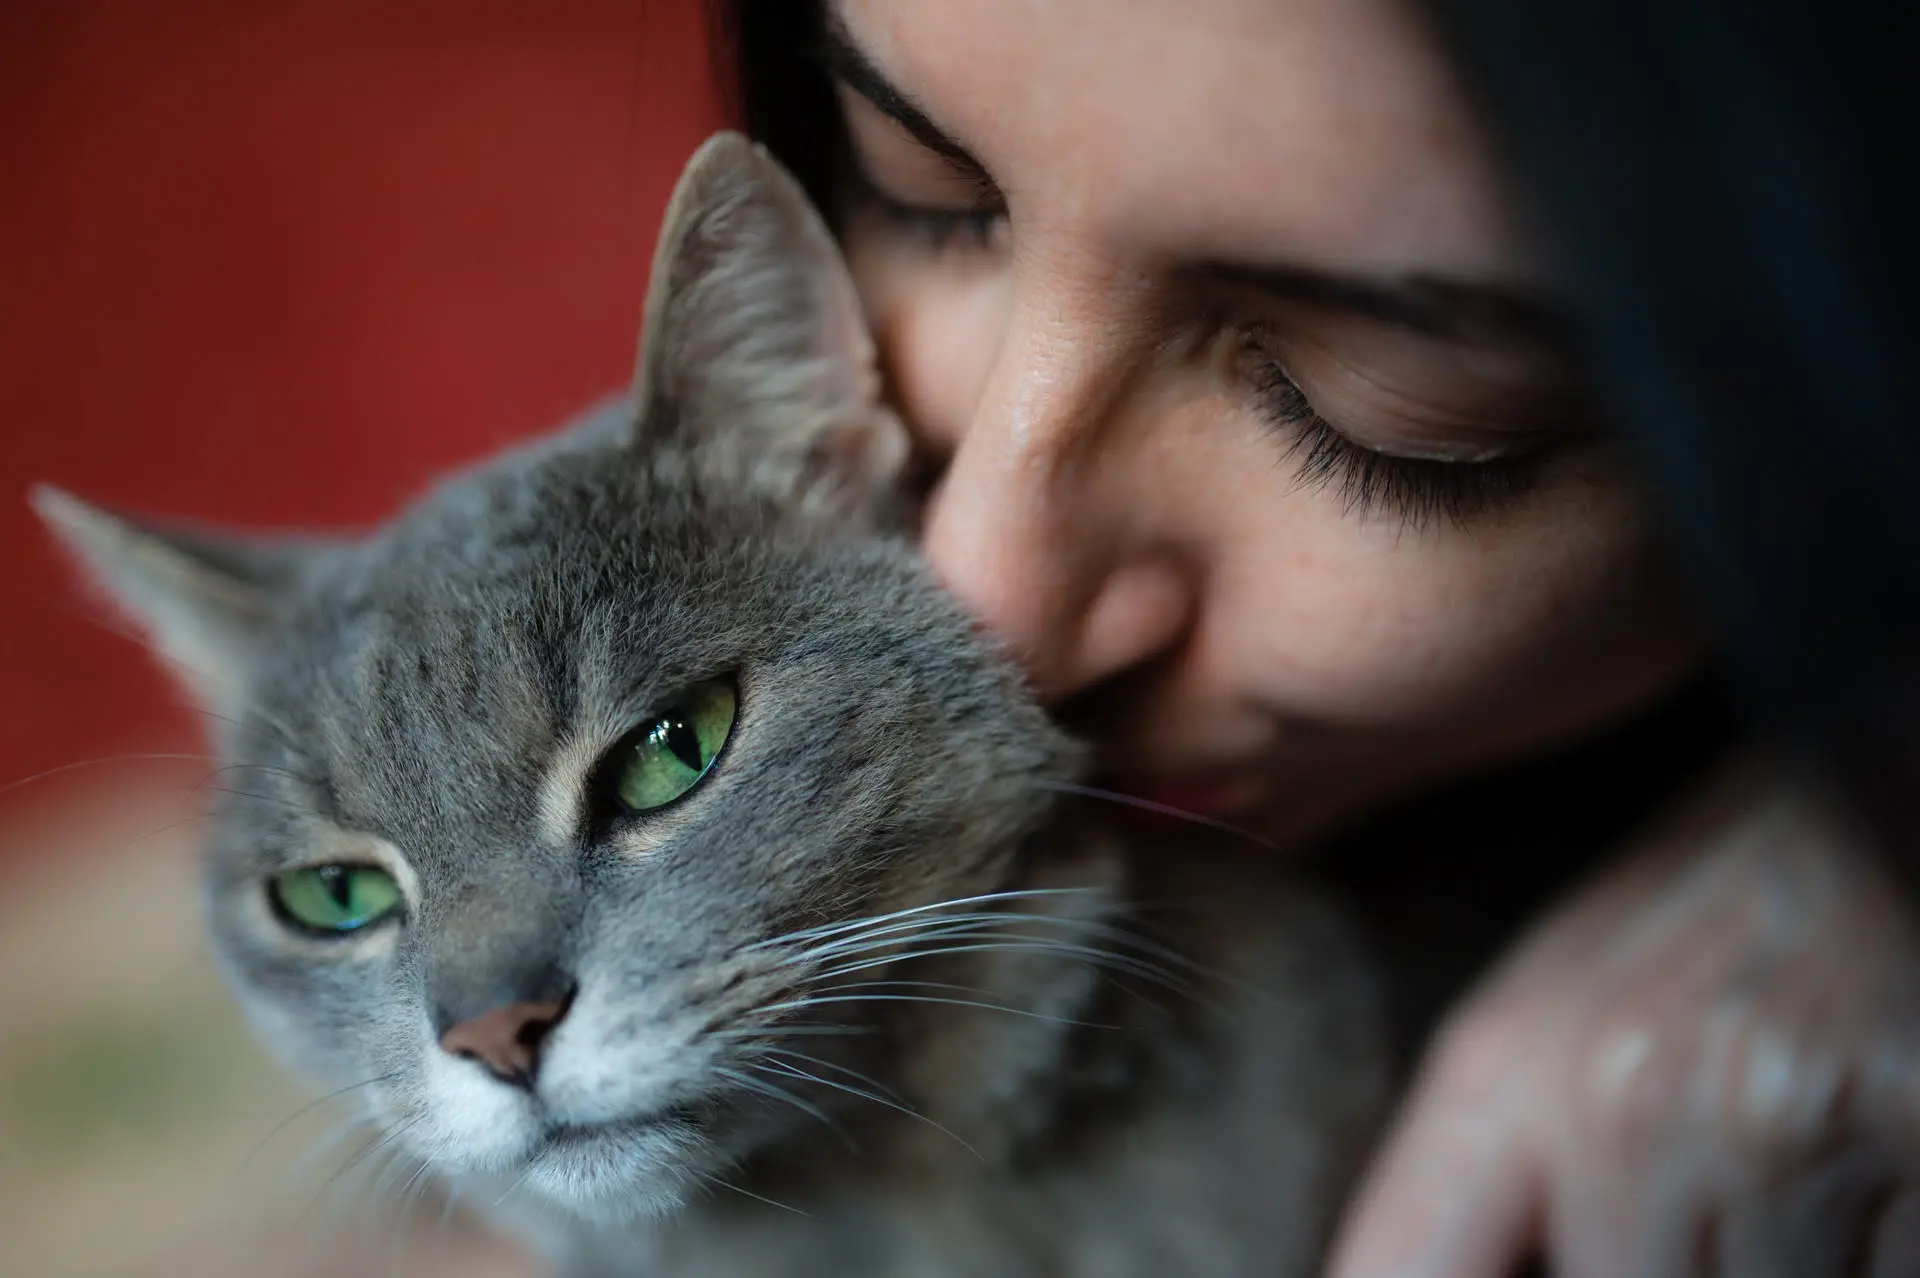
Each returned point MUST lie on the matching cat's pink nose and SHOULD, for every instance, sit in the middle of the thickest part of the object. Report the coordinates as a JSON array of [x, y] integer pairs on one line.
[[507, 1039]]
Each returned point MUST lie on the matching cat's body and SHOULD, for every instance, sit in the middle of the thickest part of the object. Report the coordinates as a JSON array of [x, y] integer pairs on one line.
[[857, 997]]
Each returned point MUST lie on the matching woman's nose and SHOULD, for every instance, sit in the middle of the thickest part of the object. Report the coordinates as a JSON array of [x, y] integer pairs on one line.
[[1031, 528]]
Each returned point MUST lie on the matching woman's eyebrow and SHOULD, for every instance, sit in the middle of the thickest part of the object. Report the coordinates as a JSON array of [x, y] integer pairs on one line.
[[848, 63], [1433, 306], [1453, 310]]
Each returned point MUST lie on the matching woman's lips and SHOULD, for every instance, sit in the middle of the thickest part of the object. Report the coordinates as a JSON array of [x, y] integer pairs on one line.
[[1201, 798], [1214, 794]]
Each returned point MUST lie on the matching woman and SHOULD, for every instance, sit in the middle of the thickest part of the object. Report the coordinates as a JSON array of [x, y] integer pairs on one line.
[[1255, 426]]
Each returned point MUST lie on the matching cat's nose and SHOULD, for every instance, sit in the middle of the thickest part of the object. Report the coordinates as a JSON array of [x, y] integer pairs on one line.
[[506, 1040]]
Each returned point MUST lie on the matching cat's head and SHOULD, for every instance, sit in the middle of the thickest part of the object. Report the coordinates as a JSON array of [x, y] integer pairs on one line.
[[552, 804]]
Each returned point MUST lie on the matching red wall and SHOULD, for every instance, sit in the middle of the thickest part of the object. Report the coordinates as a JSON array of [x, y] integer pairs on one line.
[[281, 260]]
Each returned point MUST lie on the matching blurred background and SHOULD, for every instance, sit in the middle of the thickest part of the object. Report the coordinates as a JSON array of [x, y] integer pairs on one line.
[[270, 262]]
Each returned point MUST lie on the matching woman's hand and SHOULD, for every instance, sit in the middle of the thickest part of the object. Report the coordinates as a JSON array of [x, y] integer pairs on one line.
[[1708, 1065]]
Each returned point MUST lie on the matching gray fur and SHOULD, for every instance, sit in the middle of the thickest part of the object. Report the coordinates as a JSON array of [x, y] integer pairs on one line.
[[1152, 1064]]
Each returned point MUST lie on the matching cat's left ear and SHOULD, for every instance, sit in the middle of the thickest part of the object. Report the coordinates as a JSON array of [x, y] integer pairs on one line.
[[755, 348], [203, 599]]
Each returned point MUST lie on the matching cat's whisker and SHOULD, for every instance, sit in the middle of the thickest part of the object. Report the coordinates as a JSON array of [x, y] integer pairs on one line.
[[939, 914], [303, 1111], [406, 1201], [893, 933], [770, 1091], [950, 986], [391, 1135], [518, 1181], [984, 941], [281, 733], [868, 1079], [895, 1104], [886, 948], [168, 828], [793, 1071], [1011, 943], [759, 1198], [986, 926], [408, 1194], [249, 794], [1120, 799], [1146, 944], [150, 756], [322, 1145], [823, 999], [346, 1194], [958, 925], [783, 1031], [1104, 928], [1100, 928], [829, 929], [271, 768], [1173, 983], [1119, 964], [392, 1165]]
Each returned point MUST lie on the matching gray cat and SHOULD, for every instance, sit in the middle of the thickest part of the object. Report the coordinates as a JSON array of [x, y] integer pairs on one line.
[[681, 877]]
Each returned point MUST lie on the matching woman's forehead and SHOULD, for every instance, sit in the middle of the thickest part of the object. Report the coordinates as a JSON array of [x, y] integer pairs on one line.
[[1322, 130]]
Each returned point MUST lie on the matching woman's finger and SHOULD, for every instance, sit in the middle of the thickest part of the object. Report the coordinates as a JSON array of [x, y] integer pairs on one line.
[[1641, 1224], [1452, 1196]]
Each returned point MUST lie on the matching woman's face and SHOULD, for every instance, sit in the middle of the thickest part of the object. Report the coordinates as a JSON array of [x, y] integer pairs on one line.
[[1257, 438]]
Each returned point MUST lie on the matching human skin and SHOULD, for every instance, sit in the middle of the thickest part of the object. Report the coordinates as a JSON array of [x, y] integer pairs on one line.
[[1254, 437], [1121, 493]]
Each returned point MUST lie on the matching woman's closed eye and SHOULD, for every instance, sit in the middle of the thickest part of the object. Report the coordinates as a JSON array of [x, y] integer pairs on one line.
[[1369, 480], [933, 198], [1404, 427], [935, 226]]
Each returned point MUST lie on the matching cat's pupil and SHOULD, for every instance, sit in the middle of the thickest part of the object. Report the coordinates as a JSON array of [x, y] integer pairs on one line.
[[337, 885], [684, 742]]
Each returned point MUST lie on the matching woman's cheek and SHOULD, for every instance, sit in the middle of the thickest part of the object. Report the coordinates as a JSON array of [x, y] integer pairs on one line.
[[1522, 615]]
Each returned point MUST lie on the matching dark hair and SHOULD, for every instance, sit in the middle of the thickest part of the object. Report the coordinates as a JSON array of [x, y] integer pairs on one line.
[[1722, 179], [776, 89], [1719, 178]]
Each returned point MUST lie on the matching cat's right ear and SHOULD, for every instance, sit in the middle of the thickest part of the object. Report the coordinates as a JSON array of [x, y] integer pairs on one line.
[[201, 598], [755, 350]]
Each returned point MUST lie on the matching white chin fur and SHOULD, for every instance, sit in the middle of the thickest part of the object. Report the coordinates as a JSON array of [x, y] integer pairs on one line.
[[618, 1176]]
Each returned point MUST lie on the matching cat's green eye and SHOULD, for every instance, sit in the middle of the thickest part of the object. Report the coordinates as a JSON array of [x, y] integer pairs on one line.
[[669, 756], [335, 899]]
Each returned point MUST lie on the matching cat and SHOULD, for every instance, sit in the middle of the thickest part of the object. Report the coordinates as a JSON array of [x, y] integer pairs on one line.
[[678, 875]]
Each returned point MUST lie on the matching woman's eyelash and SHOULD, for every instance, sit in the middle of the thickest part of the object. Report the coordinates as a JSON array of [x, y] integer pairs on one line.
[[936, 226], [1417, 491]]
